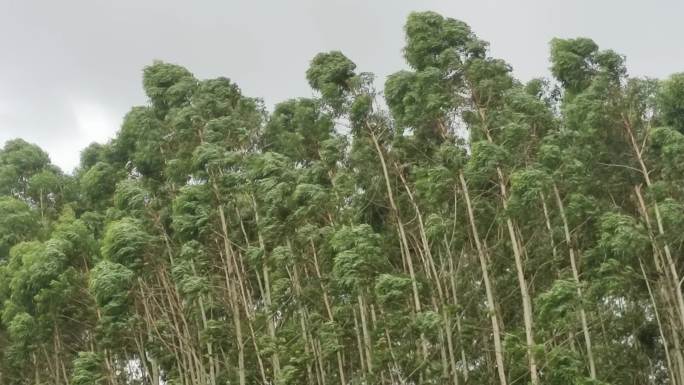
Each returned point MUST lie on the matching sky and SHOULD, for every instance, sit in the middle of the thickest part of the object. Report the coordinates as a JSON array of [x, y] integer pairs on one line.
[[70, 69]]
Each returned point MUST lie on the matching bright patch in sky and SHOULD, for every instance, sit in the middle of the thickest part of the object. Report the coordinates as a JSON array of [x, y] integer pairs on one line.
[[5, 111], [94, 123], [4, 108]]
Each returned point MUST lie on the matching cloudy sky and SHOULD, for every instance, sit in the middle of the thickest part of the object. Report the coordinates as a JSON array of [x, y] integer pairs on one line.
[[70, 69]]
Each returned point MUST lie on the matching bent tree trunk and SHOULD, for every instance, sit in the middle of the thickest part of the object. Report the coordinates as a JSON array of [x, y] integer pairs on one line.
[[575, 275], [498, 351]]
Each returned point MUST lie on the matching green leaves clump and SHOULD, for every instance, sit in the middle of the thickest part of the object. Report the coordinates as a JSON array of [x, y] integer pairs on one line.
[[125, 242], [358, 256], [572, 62], [621, 235], [671, 101], [167, 84], [331, 74], [433, 40], [392, 288], [17, 223], [88, 369], [110, 283]]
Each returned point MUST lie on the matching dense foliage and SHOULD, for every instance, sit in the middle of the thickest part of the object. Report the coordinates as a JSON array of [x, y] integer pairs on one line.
[[460, 227]]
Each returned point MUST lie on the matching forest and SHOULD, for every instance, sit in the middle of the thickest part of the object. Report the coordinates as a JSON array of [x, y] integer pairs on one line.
[[457, 226]]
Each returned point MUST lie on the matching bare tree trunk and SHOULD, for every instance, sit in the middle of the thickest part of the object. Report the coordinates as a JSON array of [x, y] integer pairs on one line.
[[452, 275], [671, 269], [515, 244], [395, 211], [328, 309], [522, 283], [436, 282], [673, 376], [366, 334], [575, 275], [402, 236], [554, 251], [498, 350], [359, 343]]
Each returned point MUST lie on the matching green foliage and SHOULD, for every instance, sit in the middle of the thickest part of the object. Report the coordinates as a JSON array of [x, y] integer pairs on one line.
[[558, 307], [130, 196], [110, 283], [98, 184], [297, 129], [392, 289], [418, 99], [125, 242], [20, 329], [566, 367], [671, 101], [484, 159], [572, 62], [359, 256], [167, 84], [19, 161], [88, 369], [428, 322], [93, 153], [17, 223], [140, 139], [621, 236], [331, 74], [528, 186], [435, 41]]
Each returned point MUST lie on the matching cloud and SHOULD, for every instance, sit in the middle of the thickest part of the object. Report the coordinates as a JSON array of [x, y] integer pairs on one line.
[[5, 108], [94, 123], [71, 70]]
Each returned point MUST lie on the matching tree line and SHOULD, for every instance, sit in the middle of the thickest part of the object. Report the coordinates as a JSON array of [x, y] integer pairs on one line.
[[457, 227]]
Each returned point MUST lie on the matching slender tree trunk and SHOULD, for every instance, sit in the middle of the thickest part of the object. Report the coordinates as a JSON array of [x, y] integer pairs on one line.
[[547, 219], [359, 343], [498, 350], [670, 265], [522, 283], [232, 293], [328, 309], [515, 245], [402, 236], [673, 375], [366, 334], [203, 315], [275, 360], [436, 282], [194, 364], [452, 275], [395, 211], [575, 275]]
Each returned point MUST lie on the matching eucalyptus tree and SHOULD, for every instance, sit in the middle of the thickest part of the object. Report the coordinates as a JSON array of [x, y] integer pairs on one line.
[[610, 116], [454, 85], [352, 97], [19, 161], [48, 281], [18, 223], [669, 101], [26, 173]]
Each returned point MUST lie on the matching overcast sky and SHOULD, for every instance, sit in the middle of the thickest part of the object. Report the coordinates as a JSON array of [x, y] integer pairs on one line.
[[70, 69]]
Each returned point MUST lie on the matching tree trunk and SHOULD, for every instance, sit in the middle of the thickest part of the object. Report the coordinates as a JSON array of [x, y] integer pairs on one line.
[[498, 350], [575, 275]]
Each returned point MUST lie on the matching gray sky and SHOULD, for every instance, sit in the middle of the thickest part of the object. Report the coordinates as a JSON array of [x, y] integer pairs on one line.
[[70, 69]]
